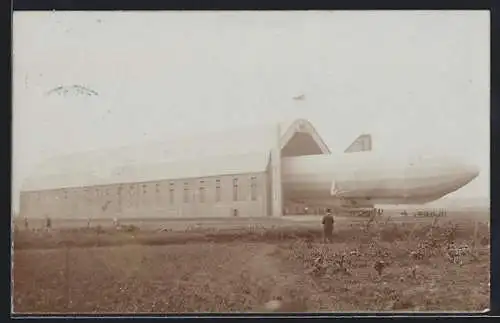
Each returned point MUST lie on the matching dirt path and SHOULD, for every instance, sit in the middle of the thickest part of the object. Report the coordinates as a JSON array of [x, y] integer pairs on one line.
[[296, 291]]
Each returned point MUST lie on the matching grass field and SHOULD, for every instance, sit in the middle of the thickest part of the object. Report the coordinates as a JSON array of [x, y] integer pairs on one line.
[[381, 265]]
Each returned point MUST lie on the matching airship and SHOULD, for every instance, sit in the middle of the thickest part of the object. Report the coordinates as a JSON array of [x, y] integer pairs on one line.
[[361, 178]]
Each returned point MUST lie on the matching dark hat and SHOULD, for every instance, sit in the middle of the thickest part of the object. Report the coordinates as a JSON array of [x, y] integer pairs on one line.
[[329, 210]]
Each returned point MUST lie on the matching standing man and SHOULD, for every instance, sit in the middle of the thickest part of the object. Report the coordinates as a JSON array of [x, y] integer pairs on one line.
[[26, 223], [328, 226], [48, 223]]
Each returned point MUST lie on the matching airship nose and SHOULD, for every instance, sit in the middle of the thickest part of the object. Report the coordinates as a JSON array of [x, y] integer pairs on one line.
[[470, 171], [456, 173], [463, 172], [436, 177]]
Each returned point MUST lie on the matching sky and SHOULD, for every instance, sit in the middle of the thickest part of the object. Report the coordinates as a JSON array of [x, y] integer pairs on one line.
[[414, 80]]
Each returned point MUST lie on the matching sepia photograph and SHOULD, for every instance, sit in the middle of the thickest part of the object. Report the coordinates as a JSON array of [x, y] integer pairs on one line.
[[250, 162]]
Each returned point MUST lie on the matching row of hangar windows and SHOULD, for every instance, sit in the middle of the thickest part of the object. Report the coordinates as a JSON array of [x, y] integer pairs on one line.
[[187, 190]]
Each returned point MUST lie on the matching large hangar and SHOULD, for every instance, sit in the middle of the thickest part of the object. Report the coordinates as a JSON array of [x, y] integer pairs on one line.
[[223, 174]]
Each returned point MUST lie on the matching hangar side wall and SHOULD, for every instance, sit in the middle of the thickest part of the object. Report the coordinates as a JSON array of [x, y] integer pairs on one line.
[[269, 189], [194, 197]]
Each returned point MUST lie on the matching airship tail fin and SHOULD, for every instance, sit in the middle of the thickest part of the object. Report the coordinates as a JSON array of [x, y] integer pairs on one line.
[[362, 143]]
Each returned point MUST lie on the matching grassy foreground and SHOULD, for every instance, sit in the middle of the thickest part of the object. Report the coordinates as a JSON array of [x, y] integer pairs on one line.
[[370, 266]]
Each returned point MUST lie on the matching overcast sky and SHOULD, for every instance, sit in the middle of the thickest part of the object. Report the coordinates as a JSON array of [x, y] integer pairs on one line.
[[417, 81]]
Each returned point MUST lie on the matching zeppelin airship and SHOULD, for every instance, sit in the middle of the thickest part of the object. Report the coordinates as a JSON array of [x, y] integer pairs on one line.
[[362, 178]]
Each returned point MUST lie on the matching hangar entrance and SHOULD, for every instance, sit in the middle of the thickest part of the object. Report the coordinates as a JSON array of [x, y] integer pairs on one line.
[[301, 144], [300, 139]]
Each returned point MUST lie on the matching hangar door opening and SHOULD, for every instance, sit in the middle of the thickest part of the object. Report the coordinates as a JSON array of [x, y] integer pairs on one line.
[[301, 139], [301, 144]]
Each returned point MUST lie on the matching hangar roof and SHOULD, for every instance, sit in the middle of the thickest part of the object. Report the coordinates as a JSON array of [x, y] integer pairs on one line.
[[245, 150]]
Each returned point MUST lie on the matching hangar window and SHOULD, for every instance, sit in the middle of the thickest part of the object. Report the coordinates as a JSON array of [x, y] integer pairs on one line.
[[253, 188], [186, 192], [235, 189], [202, 191], [217, 190], [202, 194], [171, 192]]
